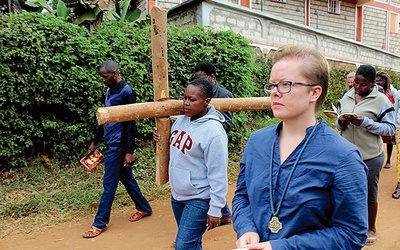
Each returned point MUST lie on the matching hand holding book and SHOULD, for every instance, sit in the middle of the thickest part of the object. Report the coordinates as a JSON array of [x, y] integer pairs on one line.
[[347, 116], [343, 117], [92, 159]]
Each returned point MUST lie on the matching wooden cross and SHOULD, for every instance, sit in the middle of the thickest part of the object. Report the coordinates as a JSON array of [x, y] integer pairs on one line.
[[162, 108]]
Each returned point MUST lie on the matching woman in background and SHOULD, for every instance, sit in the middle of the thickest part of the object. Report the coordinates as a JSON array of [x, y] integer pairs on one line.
[[396, 193], [349, 82], [384, 80], [375, 118]]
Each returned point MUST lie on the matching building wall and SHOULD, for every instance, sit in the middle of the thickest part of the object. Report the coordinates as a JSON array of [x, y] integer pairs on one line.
[[394, 44], [268, 32], [375, 20], [233, 1], [342, 24], [186, 17], [395, 3], [293, 10], [167, 4], [374, 30], [224, 19], [394, 38]]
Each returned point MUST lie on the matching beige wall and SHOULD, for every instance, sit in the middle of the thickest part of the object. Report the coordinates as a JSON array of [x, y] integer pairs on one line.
[[395, 3], [342, 24], [291, 10], [394, 45], [374, 30], [167, 4]]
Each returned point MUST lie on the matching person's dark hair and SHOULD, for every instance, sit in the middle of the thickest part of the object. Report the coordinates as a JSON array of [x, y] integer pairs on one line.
[[110, 66], [206, 67], [367, 71], [204, 85]]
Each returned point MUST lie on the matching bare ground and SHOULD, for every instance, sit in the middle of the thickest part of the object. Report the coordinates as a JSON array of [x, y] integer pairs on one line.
[[158, 231]]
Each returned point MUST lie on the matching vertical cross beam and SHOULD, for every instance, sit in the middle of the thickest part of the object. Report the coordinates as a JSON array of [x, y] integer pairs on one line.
[[161, 92]]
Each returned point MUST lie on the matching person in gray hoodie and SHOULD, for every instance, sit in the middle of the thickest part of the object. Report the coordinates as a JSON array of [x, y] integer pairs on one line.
[[198, 166], [206, 70]]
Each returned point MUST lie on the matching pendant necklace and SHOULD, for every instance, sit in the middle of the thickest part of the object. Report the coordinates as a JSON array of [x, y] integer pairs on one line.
[[274, 224]]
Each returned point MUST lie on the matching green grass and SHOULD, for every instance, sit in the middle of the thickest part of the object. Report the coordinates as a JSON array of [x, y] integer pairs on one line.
[[47, 194]]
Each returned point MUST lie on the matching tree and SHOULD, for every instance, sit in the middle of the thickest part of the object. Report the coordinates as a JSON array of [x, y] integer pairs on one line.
[[87, 13]]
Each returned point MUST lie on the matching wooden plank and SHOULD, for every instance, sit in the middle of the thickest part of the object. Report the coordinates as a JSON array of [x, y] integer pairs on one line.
[[168, 108], [160, 84]]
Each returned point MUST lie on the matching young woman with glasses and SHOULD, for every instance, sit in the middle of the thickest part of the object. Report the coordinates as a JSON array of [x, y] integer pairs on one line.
[[301, 185]]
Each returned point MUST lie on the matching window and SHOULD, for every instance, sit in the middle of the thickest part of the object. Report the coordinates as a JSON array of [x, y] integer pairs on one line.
[[394, 23], [334, 6], [279, 1]]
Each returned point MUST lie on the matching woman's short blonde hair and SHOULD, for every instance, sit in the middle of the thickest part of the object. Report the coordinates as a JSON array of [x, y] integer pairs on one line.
[[315, 67]]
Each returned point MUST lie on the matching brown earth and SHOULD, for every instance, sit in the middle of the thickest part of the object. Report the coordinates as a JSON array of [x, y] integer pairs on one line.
[[158, 231]]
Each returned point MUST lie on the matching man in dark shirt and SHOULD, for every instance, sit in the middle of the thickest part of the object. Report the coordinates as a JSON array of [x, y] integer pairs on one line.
[[119, 138]]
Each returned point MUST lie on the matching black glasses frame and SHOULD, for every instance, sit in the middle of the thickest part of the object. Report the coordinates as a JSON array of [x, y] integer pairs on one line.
[[268, 87]]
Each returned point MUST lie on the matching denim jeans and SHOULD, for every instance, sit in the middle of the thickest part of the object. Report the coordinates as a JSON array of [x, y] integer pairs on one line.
[[114, 171], [225, 210], [191, 218]]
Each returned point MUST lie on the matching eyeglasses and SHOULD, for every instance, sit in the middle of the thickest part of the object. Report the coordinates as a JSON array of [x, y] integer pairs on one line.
[[284, 87]]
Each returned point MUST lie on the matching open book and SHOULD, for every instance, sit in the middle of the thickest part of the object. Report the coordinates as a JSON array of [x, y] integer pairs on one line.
[[334, 114], [92, 159]]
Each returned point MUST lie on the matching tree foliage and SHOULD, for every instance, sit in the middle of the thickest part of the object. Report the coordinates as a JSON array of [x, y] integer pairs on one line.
[[89, 14]]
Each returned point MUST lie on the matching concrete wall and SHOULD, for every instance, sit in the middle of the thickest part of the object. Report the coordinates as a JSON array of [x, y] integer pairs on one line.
[[394, 38], [269, 32], [291, 10], [374, 30], [342, 24], [167, 4], [394, 43]]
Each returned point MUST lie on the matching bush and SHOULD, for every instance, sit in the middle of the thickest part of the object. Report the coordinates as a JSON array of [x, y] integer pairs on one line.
[[46, 90], [51, 90]]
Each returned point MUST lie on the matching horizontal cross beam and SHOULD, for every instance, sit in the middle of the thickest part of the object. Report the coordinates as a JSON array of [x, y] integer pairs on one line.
[[166, 108]]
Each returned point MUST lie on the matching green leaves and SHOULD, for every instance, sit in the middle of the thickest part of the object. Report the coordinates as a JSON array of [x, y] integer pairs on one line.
[[40, 4], [50, 89], [87, 16], [132, 15], [62, 9], [41, 85]]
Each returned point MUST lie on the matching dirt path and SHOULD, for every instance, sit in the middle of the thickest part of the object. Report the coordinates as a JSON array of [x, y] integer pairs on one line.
[[158, 231]]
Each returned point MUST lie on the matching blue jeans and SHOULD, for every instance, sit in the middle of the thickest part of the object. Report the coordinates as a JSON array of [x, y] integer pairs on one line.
[[225, 211], [114, 171], [191, 218]]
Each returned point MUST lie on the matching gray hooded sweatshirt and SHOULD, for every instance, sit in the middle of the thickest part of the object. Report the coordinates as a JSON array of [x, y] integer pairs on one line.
[[199, 160]]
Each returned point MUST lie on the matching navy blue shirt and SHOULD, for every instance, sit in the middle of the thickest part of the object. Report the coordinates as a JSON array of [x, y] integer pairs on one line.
[[325, 206], [119, 133]]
